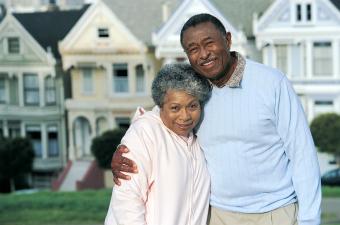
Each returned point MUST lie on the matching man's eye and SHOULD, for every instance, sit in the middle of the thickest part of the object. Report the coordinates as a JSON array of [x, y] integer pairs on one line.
[[193, 50]]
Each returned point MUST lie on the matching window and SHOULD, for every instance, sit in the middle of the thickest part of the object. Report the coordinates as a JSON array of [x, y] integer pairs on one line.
[[322, 59], [31, 89], [120, 78], [298, 12], [140, 85], [281, 58], [103, 33], [50, 96], [2, 90], [304, 12], [33, 132], [309, 12], [87, 81], [123, 122], [13, 45], [52, 141], [323, 106], [14, 128]]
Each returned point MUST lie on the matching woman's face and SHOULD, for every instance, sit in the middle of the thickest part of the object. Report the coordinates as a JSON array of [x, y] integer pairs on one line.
[[180, 112]]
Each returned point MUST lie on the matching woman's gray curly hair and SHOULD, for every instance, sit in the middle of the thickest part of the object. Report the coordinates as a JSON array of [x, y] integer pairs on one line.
[[180, 76]]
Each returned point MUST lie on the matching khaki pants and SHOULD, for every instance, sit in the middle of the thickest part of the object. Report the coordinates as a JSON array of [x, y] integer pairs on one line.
[[286, 215]]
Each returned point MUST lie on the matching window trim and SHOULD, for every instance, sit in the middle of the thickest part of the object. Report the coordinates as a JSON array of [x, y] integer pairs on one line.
[[7, 46], [113, 89], [37, 89], [318, 44], [54, 125], [46, 89], [103, 32], [4, 101], [83, 73]]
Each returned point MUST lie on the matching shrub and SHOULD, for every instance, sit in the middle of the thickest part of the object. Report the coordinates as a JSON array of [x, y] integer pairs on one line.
[[105, 145]]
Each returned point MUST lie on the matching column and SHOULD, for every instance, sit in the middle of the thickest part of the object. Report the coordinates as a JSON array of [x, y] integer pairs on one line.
[[21, 88], [71, 152], [309, 59], [5, 127], [62, 140], [335, 58], [44, 140], [108, 72], [310, 109], [273, 56], [41, 78], [289, 60], [132, 78]]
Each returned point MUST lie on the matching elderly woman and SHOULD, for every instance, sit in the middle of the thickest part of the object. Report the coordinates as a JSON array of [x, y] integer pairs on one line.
[[172, 186]]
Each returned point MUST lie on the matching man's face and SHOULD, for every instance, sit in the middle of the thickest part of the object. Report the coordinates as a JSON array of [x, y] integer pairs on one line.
[[208, 50]]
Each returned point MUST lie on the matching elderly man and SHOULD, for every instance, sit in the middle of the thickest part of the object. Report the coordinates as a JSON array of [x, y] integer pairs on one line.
[[255, 137]]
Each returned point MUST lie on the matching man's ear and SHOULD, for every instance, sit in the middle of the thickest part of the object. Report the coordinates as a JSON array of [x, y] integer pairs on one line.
[[228, 39]]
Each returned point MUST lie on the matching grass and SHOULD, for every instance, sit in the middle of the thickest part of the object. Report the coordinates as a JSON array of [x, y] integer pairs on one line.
[[57, 208], [76, 208], [333, 192]]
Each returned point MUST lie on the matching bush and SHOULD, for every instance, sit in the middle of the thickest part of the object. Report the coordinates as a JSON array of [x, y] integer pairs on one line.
[[16, 161], [105, 145], [325, 129]]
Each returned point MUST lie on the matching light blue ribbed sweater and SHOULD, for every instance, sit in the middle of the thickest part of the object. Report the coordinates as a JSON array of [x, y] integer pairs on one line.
[[258, 147]]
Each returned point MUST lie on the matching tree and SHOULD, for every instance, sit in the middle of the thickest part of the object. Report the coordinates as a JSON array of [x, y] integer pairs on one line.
[[325, 129], [105, 145], [16, 159]]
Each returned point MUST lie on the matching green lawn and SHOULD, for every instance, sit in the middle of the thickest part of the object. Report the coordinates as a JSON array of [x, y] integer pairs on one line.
[[331, 192], [57, 208], [72, 208]]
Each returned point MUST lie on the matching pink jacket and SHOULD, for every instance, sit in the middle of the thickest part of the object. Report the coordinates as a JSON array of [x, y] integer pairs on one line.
[[173, 184]]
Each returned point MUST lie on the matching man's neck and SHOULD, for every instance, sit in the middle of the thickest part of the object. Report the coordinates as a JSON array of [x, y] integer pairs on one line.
[[224, 79]]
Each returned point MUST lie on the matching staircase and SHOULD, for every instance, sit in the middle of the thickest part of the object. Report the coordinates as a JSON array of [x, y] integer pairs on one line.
[[79, 175], [75, 173]]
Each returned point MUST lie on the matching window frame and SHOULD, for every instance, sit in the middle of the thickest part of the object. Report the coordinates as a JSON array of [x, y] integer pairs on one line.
[[8, 46], [50, 88], [31, 89]]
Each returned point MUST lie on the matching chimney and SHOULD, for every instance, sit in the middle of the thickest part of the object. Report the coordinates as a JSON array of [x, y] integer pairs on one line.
[[2, 11], [52, 6], [165, 11]]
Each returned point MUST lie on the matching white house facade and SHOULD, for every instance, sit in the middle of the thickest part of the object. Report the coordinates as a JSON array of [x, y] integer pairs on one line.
[[111, 72], [31, 98], [302, 39]]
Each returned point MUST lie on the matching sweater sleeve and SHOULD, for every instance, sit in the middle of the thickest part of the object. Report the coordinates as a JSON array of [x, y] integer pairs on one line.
[[128, 201], [293, 129]]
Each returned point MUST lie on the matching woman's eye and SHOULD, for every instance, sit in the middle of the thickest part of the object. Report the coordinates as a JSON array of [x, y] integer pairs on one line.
[[174, 108], [194, 106]]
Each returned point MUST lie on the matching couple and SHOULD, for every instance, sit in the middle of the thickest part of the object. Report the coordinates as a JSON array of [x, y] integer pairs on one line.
[[256, 142]]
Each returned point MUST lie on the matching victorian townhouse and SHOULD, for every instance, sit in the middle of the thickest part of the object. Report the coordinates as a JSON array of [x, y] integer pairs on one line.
[[32, 87], [302, 39], [68, 76]]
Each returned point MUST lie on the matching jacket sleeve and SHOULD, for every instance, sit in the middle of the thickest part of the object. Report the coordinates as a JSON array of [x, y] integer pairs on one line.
[[293, 129], [128, 201]]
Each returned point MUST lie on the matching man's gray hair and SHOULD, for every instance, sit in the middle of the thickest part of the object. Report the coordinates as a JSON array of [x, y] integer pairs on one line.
[[181, 77]]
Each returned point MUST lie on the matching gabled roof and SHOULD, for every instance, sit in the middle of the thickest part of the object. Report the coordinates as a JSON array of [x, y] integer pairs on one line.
[[240, 13], [47, 28], [336, 3], [143, 17]]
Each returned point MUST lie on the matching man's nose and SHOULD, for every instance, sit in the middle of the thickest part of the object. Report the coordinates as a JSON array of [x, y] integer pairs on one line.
[[204, 53]]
